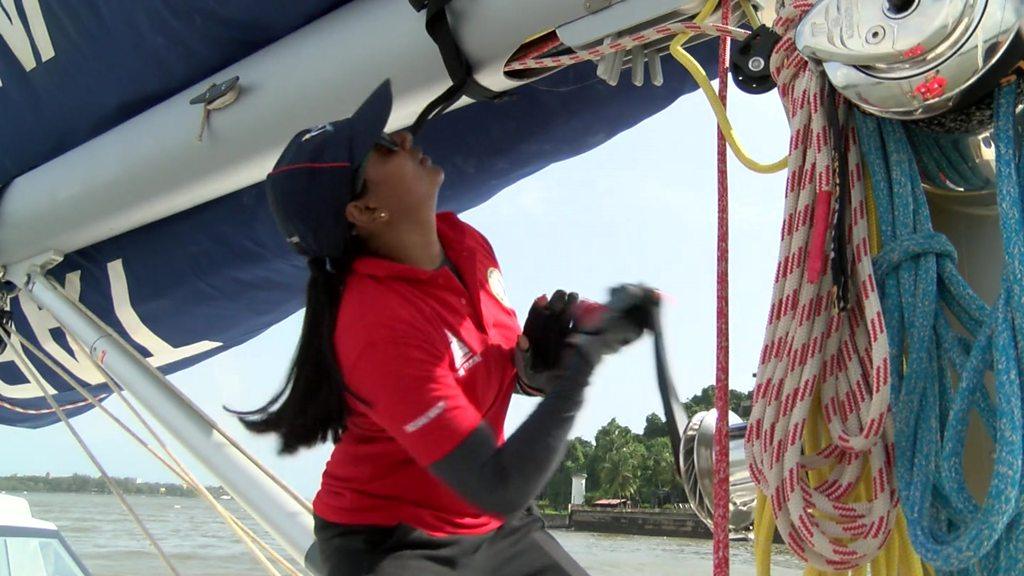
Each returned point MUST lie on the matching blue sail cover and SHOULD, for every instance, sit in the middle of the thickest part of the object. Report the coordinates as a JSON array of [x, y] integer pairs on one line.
[[205, 280]]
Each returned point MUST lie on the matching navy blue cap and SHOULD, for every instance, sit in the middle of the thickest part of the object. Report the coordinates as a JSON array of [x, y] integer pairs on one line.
[[315, 177]]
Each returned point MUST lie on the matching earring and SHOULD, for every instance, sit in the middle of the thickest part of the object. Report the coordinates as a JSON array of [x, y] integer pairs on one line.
[[382, 215]]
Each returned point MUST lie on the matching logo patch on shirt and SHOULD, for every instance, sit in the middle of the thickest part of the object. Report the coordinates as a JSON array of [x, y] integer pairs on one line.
[[462, 356], [497, 285]]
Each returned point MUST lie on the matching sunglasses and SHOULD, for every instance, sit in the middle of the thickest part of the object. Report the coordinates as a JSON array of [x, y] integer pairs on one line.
[[385, 142]]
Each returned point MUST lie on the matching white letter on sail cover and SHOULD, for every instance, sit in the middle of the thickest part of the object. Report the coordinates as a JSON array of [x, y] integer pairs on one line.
[[161, 352], [42, 322], [13, 33]]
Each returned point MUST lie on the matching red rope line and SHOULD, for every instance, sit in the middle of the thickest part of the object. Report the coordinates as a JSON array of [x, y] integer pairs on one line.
[[720, 468]]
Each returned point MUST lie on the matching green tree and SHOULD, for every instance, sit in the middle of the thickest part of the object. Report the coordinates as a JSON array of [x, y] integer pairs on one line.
[[705, 400], [660, 468], [658, 473], [655, 427], [616, 462], [603, 443], [622, 468], [558, 492]]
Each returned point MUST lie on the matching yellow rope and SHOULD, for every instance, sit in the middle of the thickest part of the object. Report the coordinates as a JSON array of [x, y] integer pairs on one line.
[[764, 534], [752, 16], [695, 70], [897, 558], [700, 76]]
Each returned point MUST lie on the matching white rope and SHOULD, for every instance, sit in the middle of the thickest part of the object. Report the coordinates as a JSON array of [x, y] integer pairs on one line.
[[199, 412], [252, 542], [36, 379]]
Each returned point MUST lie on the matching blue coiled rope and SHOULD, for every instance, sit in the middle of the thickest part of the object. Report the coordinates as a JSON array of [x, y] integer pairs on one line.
[[917, 271], [941, 160]]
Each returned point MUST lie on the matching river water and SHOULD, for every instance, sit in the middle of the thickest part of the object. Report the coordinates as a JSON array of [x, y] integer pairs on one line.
[[200, 544]]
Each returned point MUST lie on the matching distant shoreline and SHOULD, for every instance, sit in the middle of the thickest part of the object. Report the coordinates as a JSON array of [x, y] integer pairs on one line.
[[638, 522], [83, 484]]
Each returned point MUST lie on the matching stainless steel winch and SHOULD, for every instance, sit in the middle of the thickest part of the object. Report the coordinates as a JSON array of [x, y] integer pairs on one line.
[[696, 457], [910, 59], [933, 62]]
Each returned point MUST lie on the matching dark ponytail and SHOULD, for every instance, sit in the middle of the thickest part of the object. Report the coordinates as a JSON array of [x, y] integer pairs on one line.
[[310, 408]]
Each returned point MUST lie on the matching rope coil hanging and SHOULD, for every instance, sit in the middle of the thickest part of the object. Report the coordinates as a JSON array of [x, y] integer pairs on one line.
[[919, 278], [809, 351]]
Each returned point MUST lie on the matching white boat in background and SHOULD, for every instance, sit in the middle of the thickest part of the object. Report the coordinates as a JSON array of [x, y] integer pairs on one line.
[[33, 547]]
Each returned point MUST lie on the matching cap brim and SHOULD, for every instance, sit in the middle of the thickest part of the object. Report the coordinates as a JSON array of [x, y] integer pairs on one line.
[[370, 120]]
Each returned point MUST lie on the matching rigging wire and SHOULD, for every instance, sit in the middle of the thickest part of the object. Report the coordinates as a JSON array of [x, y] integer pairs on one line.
[[36, 379], [256, 546], [192, 405]]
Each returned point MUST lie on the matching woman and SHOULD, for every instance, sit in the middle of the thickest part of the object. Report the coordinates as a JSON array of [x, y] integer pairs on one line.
[[408, 346]]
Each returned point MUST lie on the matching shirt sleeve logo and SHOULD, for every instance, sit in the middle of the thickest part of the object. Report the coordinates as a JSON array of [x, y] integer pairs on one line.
[[497, 285], [424, 418]]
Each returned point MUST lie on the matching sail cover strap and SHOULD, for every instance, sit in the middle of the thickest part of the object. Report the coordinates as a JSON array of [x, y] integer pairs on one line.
[[455, 62]]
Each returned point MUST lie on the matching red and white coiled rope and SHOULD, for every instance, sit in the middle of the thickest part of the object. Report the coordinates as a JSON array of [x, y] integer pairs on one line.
[[809, 348]]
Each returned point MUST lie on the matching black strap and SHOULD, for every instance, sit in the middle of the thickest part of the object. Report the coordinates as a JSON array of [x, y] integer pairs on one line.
[[839, 264], [455, 62], [6, 324], [676, 418]]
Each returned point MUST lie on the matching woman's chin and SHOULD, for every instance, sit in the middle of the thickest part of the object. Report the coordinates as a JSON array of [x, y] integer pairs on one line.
[[438, 174]]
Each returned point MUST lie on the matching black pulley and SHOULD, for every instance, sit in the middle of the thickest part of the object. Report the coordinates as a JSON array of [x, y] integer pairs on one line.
[[749, 61]]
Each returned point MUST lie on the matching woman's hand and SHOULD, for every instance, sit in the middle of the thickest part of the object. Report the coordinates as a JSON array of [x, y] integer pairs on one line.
[[547, 326], [545, 331]]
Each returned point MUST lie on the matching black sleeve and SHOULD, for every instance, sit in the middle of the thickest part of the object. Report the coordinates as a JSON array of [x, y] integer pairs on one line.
[[503, 480]]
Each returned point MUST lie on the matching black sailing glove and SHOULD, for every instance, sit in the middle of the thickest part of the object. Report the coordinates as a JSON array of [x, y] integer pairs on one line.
[[545, 331], [478, 468]]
